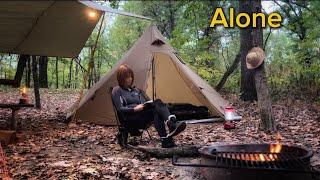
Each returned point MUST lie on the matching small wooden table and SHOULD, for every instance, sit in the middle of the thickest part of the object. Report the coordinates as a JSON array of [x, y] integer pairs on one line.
[[15, 108]]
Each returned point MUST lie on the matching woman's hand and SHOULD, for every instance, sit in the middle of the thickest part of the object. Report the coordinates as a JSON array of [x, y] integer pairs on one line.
[[138, 108]]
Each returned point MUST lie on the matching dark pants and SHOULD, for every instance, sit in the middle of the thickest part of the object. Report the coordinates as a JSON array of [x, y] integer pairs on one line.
[[158, 113]]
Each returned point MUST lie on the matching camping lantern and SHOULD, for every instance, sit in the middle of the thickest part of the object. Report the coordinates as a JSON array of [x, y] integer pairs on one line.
[[24, 99], [229, 116], [229, 113]]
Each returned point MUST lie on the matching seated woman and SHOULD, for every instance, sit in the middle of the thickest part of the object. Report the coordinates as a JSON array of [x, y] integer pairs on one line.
[[131, 102]]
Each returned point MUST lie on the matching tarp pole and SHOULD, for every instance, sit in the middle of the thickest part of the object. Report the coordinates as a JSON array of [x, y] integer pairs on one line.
[[78, 62], [90, 67]]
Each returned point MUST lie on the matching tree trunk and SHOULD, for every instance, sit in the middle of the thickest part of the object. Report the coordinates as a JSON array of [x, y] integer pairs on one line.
[[264, 102], [248, 91], [99, 69], [70, 74], [77, 72], [36, 81], [63, 84], [57, 74], [28, 73], [20, 68], [90, 79], [261, 84], [43, 69], [171, 18], [90, 68], [96, 68], [10, 67]]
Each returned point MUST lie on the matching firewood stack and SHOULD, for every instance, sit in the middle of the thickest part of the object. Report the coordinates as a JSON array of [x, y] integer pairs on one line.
[[4, 174]]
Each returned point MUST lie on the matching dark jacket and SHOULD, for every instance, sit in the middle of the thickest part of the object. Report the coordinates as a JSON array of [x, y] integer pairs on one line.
[[126, 99]]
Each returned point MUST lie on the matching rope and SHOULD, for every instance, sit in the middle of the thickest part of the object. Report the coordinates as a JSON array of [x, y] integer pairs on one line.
[[89, 70]]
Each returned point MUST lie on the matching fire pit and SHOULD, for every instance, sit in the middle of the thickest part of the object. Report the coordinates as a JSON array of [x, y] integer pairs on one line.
[[254, 161]]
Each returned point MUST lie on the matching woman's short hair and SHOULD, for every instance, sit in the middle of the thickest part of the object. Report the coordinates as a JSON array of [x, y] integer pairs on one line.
[[124, 71]]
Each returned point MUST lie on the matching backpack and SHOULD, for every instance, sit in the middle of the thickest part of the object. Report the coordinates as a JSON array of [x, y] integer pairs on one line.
[[186, 111]]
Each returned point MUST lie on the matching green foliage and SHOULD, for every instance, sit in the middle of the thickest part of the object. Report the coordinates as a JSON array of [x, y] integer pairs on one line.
[[125, 30], [7, 65], [294, 60]]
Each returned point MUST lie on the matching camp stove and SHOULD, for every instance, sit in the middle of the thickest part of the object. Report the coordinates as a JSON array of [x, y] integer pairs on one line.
[[254, 162]]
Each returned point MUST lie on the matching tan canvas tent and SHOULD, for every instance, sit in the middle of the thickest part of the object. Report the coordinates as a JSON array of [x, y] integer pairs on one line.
[[159, 72], [49, 28]]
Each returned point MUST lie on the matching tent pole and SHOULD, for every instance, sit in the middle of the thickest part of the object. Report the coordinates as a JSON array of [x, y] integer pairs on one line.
[[87, 73], [153, 81]]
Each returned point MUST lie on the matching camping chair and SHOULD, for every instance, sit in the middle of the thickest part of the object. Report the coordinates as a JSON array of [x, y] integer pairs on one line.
[[124, 131]]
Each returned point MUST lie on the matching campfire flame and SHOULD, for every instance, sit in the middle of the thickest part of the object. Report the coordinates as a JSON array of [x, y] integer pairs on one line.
[[278, 137], [253, 157], [274, 149], [261, 157]]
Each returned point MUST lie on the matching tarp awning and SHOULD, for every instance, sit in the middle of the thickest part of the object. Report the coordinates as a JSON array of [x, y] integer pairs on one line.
[[49, 28]]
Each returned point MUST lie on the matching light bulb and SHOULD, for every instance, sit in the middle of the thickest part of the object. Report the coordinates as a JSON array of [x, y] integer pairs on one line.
[[92, 14]]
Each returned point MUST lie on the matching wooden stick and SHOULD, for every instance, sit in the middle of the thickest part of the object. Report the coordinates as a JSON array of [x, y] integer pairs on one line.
[[167, 152]]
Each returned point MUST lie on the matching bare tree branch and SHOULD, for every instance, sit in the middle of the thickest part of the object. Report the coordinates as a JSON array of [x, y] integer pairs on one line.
[[266, 41], [228, 72]]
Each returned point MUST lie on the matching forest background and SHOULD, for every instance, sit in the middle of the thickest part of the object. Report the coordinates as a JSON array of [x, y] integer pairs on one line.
[[293, 51]]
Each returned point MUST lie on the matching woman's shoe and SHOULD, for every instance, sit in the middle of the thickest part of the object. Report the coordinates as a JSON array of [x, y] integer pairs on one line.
[[175, 127]]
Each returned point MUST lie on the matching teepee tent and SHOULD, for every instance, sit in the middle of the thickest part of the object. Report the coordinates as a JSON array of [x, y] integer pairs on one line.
[[159, 72]]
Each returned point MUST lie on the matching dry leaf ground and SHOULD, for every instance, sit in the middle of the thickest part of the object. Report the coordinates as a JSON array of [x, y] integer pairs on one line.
[[51, 149]]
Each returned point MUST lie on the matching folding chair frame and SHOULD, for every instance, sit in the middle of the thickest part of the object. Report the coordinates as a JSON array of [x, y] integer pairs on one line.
[[123, 130]]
